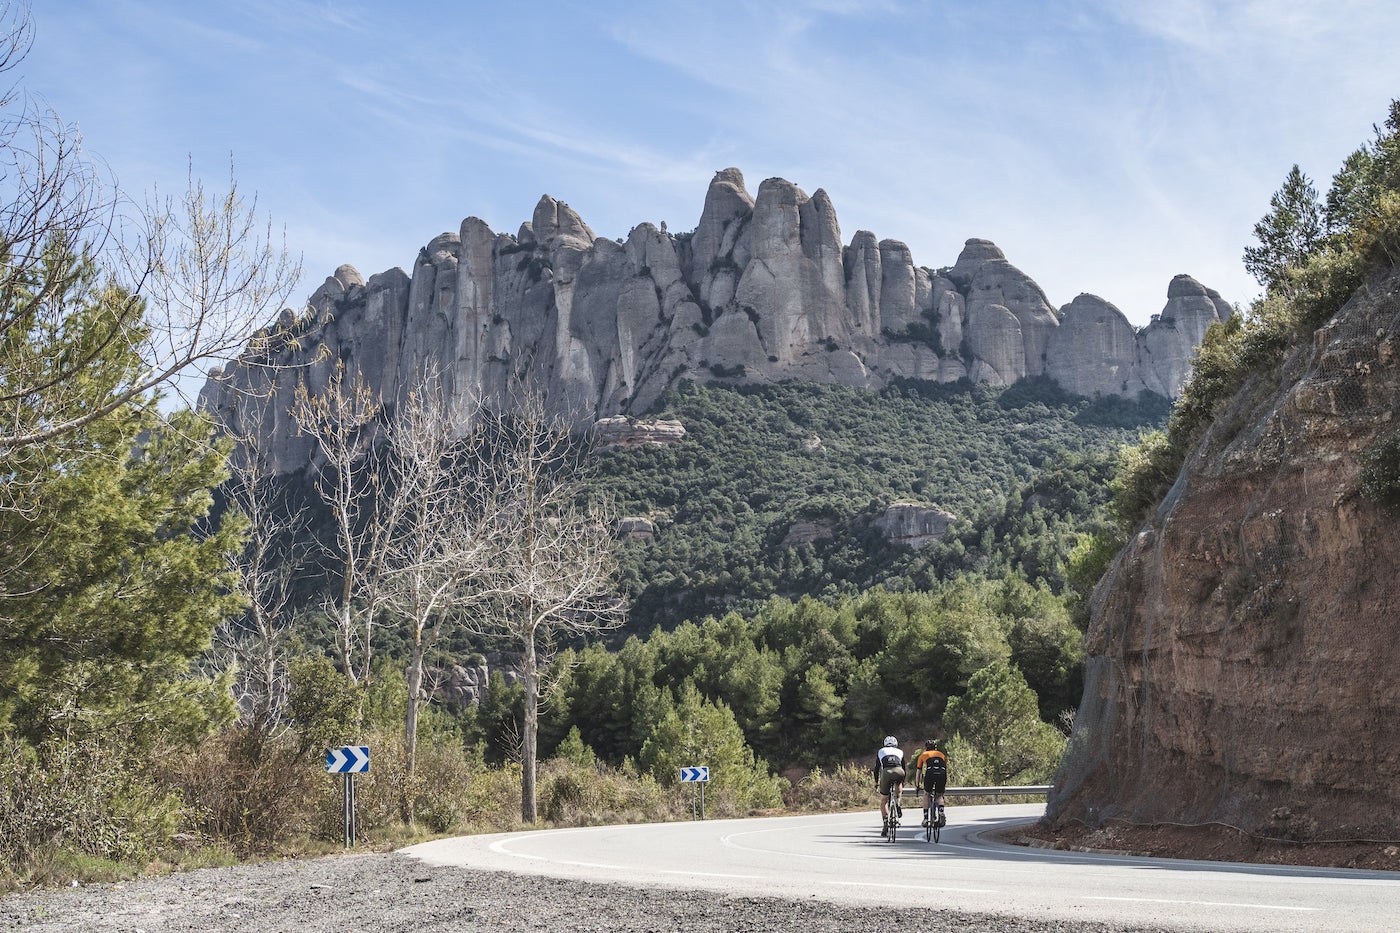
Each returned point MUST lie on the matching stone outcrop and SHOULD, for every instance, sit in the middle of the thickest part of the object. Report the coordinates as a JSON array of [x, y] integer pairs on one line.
[[914, 524], [636, 528], [763, 290], [1243, 649], [458, 686], [619, 431], [461, 686], [804, 531]]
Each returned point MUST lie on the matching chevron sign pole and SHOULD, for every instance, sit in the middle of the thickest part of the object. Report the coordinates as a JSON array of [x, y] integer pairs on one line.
[[696, 777], [348, 761]]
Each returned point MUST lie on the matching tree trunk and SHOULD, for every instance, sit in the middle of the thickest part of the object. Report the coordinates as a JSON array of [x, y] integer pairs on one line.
[[346, 636], [410, 724], [529, 675]]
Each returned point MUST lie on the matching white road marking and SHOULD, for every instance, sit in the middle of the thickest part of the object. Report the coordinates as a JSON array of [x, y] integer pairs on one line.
[[1159, 900], [912, 887], [499, 847]]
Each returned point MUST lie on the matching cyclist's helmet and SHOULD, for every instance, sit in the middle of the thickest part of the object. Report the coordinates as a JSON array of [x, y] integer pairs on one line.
[[891, 741], [931, 744]]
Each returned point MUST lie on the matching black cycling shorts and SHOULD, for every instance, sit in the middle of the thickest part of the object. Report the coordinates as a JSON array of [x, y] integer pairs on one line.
[[935, 783]]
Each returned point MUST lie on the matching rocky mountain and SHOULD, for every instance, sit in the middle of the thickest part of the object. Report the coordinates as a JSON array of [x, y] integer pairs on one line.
[[761, 291], [1243, 648]]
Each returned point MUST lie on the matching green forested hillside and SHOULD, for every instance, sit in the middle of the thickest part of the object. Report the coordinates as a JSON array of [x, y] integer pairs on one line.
[[1024, 468], [800, 652]]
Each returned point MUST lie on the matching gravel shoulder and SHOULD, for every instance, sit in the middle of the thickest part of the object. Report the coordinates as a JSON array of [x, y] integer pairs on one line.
[[387, 893], [1212, 842]]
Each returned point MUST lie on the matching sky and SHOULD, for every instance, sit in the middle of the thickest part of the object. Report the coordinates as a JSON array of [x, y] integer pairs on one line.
[[1104, 145]]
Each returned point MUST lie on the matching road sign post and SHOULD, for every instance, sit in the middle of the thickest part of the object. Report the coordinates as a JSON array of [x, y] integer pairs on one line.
[[348, 762], [696, 777]]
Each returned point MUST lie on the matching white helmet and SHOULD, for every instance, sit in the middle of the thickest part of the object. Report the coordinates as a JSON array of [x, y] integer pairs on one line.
[[891, 741]]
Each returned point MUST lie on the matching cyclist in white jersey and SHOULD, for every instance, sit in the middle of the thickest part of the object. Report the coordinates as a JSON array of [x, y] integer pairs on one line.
[[889, 776]]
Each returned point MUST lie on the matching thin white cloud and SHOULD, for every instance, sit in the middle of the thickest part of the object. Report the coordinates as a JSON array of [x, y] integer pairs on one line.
[[1105, 145]]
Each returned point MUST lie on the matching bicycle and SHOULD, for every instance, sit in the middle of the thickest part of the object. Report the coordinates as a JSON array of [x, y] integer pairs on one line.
[[895, 812], [932, 825]]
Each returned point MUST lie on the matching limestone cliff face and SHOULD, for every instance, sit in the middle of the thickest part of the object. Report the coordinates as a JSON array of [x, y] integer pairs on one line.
[[763, 290], [1244, 648]]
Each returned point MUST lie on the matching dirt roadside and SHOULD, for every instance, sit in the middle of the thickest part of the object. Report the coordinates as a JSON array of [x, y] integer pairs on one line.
[[1212, 842]]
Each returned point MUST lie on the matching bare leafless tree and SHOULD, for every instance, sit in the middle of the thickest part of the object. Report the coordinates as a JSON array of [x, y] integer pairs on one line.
[[437, 551], [552, 572], [345, 424], [186, 281], [274, 552]]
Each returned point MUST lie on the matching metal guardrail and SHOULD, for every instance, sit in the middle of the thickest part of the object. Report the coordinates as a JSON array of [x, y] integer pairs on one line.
[[1027, 790]]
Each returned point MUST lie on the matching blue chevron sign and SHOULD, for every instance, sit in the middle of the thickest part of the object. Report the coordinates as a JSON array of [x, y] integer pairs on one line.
[[352, 759], [695, 774]]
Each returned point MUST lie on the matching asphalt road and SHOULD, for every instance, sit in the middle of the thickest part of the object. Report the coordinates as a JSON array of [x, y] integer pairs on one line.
[[842, 859]]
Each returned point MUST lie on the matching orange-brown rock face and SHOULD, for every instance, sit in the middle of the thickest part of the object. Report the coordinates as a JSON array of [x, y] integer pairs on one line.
[[1244, 650]]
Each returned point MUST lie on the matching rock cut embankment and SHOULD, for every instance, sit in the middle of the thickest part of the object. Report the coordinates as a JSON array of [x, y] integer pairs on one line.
[[1244, 649]]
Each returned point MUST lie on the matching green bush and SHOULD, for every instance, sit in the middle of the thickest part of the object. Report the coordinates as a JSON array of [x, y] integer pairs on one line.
[[86, 796], [1380, 471], [324, 708], [1145, 472], [439, 791]]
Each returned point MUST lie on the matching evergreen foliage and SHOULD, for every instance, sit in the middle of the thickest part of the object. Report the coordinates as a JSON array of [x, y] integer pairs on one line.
[[1024, 468], [1288, 233], [1308, 276], [1380, 471], [110, 587], [996, 718], [809, 682]]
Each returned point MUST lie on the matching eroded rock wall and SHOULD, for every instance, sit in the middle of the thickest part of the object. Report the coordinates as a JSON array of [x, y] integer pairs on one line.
[[1244, 650], [762, 291]]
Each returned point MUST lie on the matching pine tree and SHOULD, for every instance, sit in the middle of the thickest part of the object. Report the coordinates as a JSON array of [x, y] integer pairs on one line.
[[109, 588], [1287, 234]]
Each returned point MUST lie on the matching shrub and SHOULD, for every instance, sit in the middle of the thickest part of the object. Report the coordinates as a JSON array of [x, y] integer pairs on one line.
[[1380, 472], [387, 796], [85, 796], [1322, 284], [1145, 472], [246, 789], [321, 704], [572, 794], [847, 788]]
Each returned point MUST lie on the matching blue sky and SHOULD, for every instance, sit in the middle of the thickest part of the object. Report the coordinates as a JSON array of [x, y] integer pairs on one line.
[[1104, 145]]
